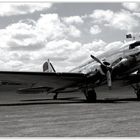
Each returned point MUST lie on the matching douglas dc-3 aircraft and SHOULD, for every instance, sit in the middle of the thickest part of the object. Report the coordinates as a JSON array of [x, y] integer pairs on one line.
[[117, 65]]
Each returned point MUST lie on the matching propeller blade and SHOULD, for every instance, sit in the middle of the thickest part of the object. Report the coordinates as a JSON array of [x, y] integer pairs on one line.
[[108, 73], [96, 59], [109, 80]]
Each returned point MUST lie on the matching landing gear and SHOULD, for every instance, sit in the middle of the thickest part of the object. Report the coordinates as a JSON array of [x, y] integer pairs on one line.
[[90, 95], [138, 94], [137, 90], [55, 96]]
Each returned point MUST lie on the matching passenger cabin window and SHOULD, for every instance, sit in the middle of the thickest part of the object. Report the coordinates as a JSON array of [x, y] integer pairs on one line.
[[135, 44]]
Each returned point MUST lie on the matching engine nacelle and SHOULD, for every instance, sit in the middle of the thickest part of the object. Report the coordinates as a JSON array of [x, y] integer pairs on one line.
[[123, 65]]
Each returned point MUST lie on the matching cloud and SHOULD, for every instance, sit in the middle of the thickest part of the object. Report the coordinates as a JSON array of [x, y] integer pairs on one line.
[[99, 48], [30, 35], [51, 26], [15, 46], [79, 53], [73, 31], [57, 50], [73, 20], [21, 36], [95, 29], [26, 45], [135, 7], [60, 52], [96, 45], [100, 16], [63, 53], [9, 9], [26, 50], [122, 20], [33, 42], [82, 54]]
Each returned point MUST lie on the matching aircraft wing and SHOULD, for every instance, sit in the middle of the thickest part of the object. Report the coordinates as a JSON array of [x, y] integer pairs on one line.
[[52, 81]]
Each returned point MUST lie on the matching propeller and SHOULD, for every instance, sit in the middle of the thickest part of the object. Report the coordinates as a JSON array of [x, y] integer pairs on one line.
[[96, 59], [107, 68]]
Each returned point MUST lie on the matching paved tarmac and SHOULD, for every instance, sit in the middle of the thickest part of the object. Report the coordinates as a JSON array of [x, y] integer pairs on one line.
[[116, 113]]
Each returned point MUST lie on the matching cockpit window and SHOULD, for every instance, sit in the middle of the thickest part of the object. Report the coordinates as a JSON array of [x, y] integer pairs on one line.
[[133, 45]]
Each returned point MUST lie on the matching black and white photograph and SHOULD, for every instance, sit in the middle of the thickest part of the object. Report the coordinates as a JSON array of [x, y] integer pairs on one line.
[[69, 69]]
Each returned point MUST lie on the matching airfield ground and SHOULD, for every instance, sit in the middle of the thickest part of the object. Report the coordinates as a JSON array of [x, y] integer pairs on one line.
[[116, 113]]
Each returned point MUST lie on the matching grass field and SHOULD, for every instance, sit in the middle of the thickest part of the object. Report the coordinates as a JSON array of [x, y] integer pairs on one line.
[[116, 113]]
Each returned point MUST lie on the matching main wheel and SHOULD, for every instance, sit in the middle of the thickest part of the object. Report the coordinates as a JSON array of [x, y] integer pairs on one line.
[[91, 96], [55, 96], [138, 94]]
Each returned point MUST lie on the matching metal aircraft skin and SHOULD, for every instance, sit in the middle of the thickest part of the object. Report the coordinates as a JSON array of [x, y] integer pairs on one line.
[[118, 65]]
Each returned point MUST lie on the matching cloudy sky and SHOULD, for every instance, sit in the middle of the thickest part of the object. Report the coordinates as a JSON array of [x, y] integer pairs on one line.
[[66, 33]]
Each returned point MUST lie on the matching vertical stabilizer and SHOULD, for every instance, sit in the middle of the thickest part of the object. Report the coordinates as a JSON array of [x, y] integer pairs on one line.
[[48, 67]]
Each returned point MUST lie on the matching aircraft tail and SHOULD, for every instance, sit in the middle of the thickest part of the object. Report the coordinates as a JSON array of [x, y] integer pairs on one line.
[[48, 67]]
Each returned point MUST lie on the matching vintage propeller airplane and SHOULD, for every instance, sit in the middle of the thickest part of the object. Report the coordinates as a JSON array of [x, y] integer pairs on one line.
[[123, 65]]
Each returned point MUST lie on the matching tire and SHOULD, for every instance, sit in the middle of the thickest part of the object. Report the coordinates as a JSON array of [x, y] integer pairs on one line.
[[55, 96], [91, 96], [138, 95]]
